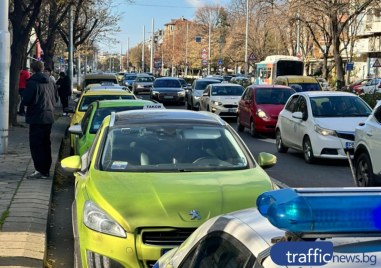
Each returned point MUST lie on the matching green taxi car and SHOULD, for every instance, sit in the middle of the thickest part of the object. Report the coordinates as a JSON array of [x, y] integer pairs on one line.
[[151, 177], [86, 98], [96, 112]]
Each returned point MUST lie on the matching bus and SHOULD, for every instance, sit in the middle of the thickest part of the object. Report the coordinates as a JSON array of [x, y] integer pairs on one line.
[[277, 65]]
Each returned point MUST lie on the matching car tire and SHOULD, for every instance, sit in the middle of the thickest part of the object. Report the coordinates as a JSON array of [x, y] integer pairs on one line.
[[253, 132], [307, 151], [240, 127], [364, 171], [281, 148], [189, 106]]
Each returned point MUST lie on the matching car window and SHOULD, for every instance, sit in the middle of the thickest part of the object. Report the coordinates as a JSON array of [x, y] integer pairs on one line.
[[101, 113], [177, 148], [300, 87], [377, 114], [130, 77], [290, 106], [167, 83], [272, 95], [207, 90], [219, 249], [339, 106], [183, 82], [87, 100], [86, 119], [201, 85], [301, 106], [227, 91], [144, 79], [248, 94]]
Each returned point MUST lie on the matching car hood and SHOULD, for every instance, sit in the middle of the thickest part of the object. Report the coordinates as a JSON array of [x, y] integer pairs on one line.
[[168, 199], [346, 124], [226, 99], [168, 89], [271, 110]]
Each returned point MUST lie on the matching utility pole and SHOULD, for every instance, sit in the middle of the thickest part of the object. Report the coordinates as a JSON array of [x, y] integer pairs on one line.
[[246, 36], [120, 59], [70, 63], [144, 37], [128, 54], [210, 32], [186, 51], [298, 33], [5, 61], [78, 66], [173, 51], [152, 48]]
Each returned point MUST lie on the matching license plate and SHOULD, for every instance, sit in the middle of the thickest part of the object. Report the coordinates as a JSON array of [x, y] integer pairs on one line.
[[168, 97], [349, 145], [232, 110]]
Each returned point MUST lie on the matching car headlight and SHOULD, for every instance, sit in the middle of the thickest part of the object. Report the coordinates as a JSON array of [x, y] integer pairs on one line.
[[139, 86], [325, 131], [97, 220], [261, 114], [155, 92], [181, 93], [218, 103]]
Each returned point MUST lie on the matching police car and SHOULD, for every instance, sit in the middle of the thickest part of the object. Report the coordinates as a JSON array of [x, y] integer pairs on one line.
[[290, 227]]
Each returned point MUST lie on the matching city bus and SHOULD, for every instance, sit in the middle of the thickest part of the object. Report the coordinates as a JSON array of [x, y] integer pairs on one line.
[[277, 65]]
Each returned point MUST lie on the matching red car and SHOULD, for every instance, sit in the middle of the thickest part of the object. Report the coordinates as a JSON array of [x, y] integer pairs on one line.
[[356, 87], [259, 107]]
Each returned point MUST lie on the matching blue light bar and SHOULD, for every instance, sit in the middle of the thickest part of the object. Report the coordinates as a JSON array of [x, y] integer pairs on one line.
[[323, 210]]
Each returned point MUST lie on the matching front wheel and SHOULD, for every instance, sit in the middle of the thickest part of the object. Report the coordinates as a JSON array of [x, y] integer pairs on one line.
[[364, 171], [279, 143], [307, 151], [253, 132]]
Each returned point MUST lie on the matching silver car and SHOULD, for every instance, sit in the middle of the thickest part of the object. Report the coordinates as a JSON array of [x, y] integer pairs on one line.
[[143, 84], [193, 96]]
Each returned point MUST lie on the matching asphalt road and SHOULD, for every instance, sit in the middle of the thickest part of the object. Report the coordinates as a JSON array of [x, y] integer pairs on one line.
[[290, 170]]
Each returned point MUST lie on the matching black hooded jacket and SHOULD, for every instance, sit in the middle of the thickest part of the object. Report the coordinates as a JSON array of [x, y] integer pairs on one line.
[[40, 97]]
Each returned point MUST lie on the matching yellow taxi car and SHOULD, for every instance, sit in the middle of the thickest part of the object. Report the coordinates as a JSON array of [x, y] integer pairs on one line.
[[86, 98], [151, 177]]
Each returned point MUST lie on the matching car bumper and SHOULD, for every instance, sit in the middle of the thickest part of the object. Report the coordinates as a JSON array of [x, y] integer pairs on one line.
[[265, 125], [142, 90], [331, 147], [224, 111], [168, 98]]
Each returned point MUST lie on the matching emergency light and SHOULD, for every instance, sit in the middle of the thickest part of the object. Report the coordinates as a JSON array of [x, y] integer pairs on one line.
[[323, 210]]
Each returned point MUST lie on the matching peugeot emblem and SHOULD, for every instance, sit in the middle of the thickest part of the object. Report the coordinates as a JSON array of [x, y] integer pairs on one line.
[[195, 215]]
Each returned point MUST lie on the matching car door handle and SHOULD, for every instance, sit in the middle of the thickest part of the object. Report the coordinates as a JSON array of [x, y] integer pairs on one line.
[[370, 134]]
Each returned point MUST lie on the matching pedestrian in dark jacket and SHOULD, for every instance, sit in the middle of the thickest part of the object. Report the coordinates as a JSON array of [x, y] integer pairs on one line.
[[64, 91], [40, 97]]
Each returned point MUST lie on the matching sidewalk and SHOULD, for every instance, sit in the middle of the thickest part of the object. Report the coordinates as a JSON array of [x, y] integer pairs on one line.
[[24, 204]]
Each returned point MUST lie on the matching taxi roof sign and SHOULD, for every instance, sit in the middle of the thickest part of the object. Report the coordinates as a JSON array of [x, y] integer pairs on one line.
[[150, 106]]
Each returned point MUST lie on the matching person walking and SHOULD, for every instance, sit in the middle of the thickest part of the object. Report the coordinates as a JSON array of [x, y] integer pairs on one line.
[[24, 76], [64, 91], [40, 97]]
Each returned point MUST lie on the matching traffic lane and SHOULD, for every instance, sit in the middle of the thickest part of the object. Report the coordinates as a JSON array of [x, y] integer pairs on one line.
[[292, 170]]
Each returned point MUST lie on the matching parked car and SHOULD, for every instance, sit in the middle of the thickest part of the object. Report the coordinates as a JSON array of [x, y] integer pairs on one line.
[[372, 86], [128, 79], [151, 177], [85, 131], [320, 124], [86, 98], [221, 99], [367, 156], [323, 83], [98, 78], [194, 95], [168, 89], [241, 80], [259, 107], [143, 84], [299, 83], [356, 87], [287, 227]]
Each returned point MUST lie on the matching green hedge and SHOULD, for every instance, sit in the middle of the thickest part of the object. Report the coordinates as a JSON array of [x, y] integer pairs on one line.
[[371, 99]]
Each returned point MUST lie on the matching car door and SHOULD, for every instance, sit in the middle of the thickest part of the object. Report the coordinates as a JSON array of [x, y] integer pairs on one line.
[[298, 126], [373, 132], [244, 107], [285, 121], [218, 249], [81, 140], [204, 99]]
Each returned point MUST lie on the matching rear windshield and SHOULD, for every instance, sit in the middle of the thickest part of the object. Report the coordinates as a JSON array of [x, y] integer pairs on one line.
[[272, 95], [201, 85], [87, 100], [145, 79], [227, 91], [299, 87], [130, 77], [100, 81]]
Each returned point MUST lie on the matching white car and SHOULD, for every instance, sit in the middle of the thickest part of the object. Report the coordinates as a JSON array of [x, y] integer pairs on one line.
[[367, 157], [372, 86], [339, 226], [320, 123], [221, 99]]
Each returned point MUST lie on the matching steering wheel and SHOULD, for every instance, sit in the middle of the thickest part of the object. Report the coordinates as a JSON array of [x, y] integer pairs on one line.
[[211, 161]]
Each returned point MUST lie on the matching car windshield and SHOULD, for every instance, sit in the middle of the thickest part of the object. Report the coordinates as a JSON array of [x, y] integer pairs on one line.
[[101, 113], [130, 77], [167, 83], [201, 85], [177, 148], [300, 87], [272, 95], [227, 91], [87, 100], [339, 106], [100, 81], [145, 79]]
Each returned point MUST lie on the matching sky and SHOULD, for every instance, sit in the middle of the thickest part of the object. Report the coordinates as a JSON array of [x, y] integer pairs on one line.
[[134, 16]]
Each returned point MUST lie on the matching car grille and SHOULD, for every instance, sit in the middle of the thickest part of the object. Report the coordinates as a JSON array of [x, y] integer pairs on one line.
[[346, 135], [167, 237], [230, 106]]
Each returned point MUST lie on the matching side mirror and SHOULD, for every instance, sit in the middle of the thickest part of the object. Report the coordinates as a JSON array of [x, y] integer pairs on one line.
[[297, 115], [205, 94], [76, 129], [266, 160], [71, 164]]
